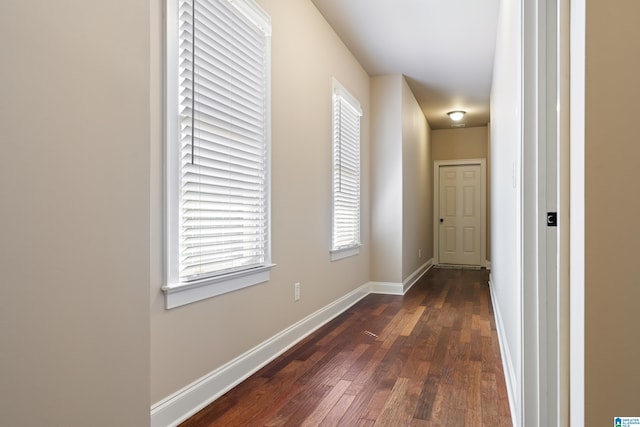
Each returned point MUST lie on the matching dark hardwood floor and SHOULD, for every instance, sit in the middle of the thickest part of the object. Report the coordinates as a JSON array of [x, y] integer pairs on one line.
[[430, 358]]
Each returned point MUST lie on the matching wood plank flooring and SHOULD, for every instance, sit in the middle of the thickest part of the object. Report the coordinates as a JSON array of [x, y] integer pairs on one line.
[[430, 358]]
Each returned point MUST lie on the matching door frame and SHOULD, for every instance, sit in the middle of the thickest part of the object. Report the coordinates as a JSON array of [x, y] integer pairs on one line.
[[483, 205], [546, 165]]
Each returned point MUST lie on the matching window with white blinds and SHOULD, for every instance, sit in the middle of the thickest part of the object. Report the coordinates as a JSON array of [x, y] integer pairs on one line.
[[346, 173], [219, 147]]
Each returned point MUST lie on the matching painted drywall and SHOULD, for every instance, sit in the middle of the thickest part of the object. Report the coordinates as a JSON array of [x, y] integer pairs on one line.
[[402, 199], [191, 341], [465, 143], [386, 181], [505, 150], [417, 185], [74, 184], [488, 253], [612, 209]]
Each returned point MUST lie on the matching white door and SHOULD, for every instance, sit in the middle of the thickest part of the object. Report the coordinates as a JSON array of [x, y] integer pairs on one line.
[[460, 215]]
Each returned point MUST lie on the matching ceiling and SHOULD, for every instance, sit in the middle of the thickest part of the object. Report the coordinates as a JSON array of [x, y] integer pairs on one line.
[[444, 48]]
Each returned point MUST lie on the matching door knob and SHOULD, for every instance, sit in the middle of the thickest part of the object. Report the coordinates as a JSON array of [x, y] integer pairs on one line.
[[441, 220]]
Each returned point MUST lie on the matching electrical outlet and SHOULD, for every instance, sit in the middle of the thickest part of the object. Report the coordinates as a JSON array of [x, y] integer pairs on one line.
[[419, 253], [296, 292]]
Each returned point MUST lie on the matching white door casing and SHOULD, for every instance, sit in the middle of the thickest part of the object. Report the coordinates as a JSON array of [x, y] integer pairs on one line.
[[459, 228], [460, 202]]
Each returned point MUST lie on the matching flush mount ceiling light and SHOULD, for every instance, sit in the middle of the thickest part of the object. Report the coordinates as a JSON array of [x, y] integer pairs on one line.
[[456, 115]]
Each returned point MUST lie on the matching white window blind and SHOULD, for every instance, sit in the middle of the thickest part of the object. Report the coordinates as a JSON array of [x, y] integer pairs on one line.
[[346, 170], [223, 129]]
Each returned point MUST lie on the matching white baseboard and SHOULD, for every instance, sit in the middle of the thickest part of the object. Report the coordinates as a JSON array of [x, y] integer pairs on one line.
[[388, 288], [505, 354], [176, 408], [487, 265], [416, 275], [397, 288]]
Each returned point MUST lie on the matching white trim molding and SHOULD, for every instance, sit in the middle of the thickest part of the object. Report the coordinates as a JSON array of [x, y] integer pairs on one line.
[[397, 288], [338, 254], [386, 288], [505, 354], [179, 295], [416, 275], [577, 213]]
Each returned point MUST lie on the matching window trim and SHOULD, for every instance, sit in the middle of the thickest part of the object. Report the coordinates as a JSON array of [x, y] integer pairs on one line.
[[179, 293], [338, 254], [338, 90]]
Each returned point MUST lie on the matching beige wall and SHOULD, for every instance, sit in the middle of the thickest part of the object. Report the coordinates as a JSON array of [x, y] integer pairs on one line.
[[386, 180], [74, 185], [466, 143], [489, 222], [402, 200], [191, 341], [612, 209], [506, 194], [460, 143], [417, 185]]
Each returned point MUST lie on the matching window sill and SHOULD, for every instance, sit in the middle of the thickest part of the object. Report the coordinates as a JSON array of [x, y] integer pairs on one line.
[[338, 254], [186, 293]]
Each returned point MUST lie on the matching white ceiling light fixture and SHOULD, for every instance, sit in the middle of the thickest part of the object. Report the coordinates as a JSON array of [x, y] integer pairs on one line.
[[456, 116]]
